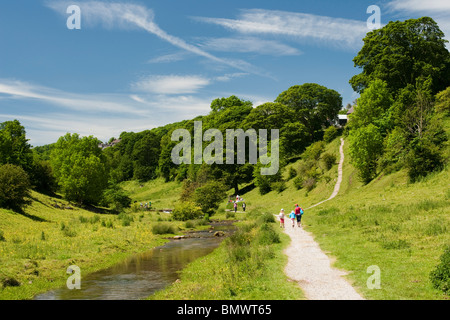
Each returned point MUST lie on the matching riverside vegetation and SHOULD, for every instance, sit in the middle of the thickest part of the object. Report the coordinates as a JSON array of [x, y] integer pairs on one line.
[[73, 202]]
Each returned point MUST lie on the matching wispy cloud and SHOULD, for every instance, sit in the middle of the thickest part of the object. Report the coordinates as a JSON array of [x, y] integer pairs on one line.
[[436, 6], [171, 84], [14, 89], [124, 15], [48, 113], [250, 45], [326, 30], [168, 58]]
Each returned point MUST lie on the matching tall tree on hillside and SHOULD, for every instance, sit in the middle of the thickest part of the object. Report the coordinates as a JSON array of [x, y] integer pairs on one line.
[[313, 105], [14, 146], [400, 53], [80, 168]]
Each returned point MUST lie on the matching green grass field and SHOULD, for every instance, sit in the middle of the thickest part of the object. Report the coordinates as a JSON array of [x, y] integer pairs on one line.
[[38, 246], [400, 227]]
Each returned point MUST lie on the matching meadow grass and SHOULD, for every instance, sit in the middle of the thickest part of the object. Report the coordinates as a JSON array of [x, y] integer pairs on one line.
[[246, 266], [38, 245], [400, 227]]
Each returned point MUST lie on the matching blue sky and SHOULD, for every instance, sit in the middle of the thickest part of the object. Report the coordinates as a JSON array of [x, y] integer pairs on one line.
[[136, 65]]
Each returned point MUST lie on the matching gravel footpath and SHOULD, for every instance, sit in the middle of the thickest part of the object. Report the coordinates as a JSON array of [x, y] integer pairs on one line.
[[310, 267]]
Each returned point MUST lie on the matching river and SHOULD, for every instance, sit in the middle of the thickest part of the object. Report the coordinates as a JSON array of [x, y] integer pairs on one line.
[[143, 274]]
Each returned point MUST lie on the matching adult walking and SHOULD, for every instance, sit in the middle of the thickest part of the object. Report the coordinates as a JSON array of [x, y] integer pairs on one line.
[[298, 214]]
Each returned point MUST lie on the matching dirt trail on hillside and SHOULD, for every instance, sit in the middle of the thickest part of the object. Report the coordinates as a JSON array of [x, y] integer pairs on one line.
[[310, 267]]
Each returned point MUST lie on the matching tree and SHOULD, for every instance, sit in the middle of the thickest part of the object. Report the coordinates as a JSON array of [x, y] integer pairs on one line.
[[209, 196], [443, 101], [313, 105], [15, 187], [401, 52], [366, 146], [115, 198], [14, 147], [372, 106], [221, 104], [80, 168], [146, 156]]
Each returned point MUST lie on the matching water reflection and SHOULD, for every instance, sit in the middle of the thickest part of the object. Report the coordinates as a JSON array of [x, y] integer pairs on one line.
[[139, 276]]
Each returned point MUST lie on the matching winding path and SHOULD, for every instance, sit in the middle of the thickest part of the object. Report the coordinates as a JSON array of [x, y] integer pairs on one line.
[[310, 267]]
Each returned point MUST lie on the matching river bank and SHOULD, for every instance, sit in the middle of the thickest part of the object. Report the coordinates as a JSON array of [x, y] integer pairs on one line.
[[39, 245]]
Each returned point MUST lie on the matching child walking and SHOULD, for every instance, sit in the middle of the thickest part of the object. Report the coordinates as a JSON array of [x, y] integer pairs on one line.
[[281, 216], [292, 216]]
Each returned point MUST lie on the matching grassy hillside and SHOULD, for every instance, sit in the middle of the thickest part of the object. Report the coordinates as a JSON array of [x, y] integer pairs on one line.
[[37, 246], [400, 227]]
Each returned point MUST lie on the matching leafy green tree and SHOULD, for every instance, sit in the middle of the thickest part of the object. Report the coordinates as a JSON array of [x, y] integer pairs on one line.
[[186, 211], [330, 134], [221, 104], [80, 168], [313, 105], [401, 52], [115, 198], [146, 156], [372, 107], [14, 147], [15, 187], [209, 196], [366, 146], [443, 101], [265, 183], [41, 175]]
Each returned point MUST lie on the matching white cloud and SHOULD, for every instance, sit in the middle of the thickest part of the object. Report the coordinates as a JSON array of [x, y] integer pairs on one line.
[[125, 15], [48, 113], [14, 89], [436, 6], [174, 57], [250, 45], [327, 30], [172, 84]]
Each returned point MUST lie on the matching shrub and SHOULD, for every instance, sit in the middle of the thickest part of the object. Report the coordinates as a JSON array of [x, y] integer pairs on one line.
[[230, 215], [115, 198], [330, 134], [14, 187], [292, 173], [309, 184], [186, 211], [163, 228], [126, 219], [440, 277], [279, 186], [298, 183], [267, 218], [267, 235], [2, 237], [329, 160]]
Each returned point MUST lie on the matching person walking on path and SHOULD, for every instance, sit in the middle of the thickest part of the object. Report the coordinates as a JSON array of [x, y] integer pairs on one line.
[[298, 215], [292, 216], [243, 206], [281, 217], [235, 207]]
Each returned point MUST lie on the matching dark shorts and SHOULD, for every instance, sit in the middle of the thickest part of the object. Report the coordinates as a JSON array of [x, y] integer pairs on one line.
[[299, 217]]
